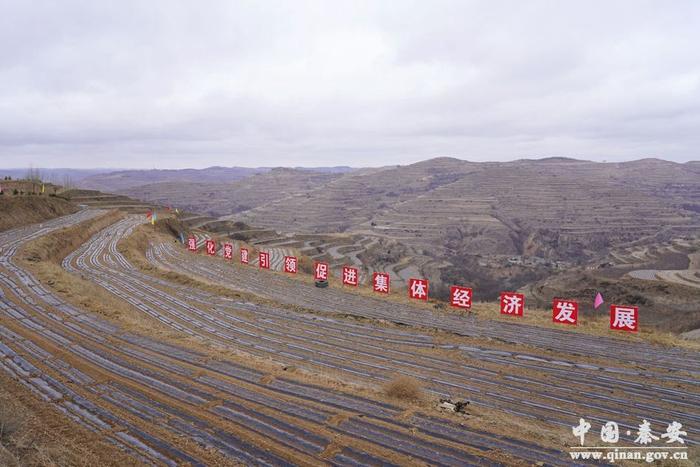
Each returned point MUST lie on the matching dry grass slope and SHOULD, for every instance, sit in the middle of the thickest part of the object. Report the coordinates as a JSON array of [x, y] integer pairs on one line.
[[17, 211]]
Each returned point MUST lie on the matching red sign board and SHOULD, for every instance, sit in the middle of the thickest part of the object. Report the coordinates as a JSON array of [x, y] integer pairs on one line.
[[244, 255], [512, 303], [290, 264], [564, 311], [624, 318], [418, 289], [461, 297], [350, 276], [192, 244], [380, 282], [321, 271], [228, 251], [211, 247], [264, 260]]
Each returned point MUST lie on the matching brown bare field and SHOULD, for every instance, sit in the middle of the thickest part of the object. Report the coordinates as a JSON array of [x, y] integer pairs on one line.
[[57, 245], [33, 434], [43, 257], [66, 237]]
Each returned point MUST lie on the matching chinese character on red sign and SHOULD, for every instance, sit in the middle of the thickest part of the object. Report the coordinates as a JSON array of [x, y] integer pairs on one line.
[[624, 318], [192, 244], [290, 264], [461, 297], [321, 271], [211, 247], [244, 255], [512, 303], [264, 260], [350, 276], [564, 311], [418, 289], [228, 251], [380, 282]]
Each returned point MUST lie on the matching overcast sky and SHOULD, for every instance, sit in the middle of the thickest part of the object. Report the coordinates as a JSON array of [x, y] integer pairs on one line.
[[193, 84]]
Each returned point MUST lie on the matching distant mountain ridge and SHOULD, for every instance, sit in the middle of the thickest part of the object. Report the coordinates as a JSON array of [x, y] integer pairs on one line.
[[115, 182], [119, 181]]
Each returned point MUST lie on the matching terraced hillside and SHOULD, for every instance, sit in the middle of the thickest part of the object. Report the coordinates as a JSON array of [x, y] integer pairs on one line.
[[97, 199], [498, 225], [662, 277], [552, 208], [492, 225], [284, 290], [350, 202], [677, 261]]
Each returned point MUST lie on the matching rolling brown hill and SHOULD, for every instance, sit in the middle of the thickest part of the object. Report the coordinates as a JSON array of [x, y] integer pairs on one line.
[[220, 199], [125, 179]]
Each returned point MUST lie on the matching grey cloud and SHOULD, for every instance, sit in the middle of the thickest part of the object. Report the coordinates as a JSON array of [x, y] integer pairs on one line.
[[161, 83]]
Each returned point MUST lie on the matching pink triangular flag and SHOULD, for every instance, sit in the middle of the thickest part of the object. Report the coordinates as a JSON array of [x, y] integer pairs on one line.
[[598, 301]]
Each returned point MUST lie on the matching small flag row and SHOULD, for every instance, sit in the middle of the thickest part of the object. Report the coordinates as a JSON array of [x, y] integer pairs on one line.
[[152, 216], [564, 311]]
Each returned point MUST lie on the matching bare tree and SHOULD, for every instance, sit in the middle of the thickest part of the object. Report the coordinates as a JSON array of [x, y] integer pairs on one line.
[[68, 183], [33, 174]]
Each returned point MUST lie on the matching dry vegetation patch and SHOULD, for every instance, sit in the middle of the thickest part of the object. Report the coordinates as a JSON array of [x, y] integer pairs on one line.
[[405, 389]]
